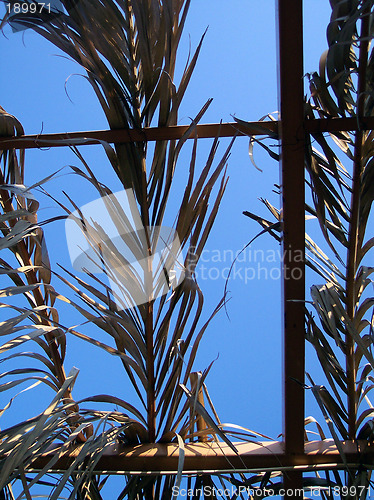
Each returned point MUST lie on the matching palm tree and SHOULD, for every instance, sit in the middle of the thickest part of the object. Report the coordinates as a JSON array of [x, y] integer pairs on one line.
[[128, 51]]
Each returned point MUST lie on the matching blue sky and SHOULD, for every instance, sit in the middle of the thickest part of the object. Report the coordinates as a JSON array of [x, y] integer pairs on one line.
[[237, 67]]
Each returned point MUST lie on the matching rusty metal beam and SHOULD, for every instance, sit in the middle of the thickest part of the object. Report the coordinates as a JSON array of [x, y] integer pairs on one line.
[[215, 457], [292, 135]]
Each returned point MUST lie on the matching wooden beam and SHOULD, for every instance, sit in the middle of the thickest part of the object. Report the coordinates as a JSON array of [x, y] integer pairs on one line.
[[324, 125], [211, 130], [214, 457], [204, 131], [292, 136]]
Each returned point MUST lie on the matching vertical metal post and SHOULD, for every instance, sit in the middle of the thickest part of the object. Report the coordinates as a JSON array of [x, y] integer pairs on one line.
[[291, 92]]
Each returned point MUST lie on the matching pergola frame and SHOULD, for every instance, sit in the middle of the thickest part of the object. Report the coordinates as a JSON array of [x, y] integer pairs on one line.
[[291, 455]]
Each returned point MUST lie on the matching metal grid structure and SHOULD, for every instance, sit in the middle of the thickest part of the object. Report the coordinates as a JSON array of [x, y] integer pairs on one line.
[[291, 454]]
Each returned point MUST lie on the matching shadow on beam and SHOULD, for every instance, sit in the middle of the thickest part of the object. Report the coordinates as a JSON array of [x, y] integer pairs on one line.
[[216, 458]]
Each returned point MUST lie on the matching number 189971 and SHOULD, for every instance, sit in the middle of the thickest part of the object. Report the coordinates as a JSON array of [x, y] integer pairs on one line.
[[26, 8]]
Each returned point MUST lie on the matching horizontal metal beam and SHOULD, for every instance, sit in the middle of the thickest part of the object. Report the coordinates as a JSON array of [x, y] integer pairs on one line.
[[215, 457]]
